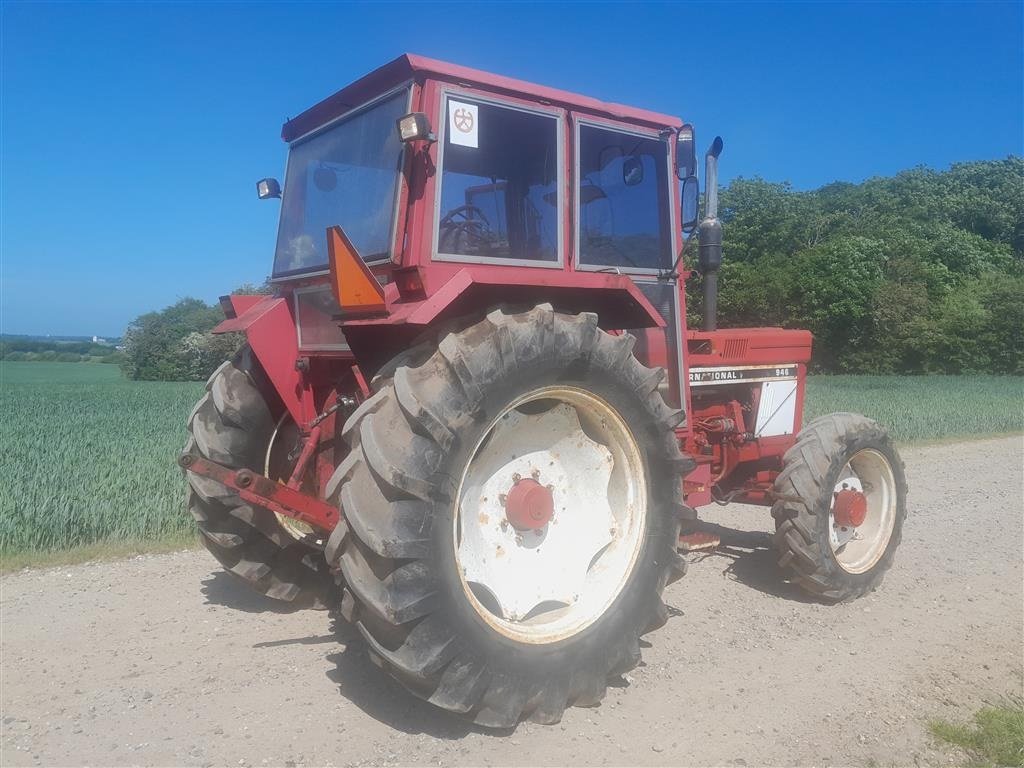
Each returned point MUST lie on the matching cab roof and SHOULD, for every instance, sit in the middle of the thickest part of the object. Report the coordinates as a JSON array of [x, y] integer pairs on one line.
[[419, 68]]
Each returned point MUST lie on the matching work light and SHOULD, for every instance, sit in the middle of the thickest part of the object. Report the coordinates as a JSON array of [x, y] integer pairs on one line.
[[267, 188], [415, 127]]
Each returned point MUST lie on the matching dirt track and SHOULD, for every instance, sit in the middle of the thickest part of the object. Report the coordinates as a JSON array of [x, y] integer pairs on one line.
[[165, 660]]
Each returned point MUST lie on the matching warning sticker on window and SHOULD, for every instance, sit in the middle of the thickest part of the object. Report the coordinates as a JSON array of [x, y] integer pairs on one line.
[[462, 124]]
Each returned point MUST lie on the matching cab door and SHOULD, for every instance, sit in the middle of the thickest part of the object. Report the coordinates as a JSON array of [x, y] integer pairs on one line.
[[625, 223]]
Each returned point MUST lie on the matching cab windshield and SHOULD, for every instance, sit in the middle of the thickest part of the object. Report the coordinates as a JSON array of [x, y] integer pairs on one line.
[[346, 174]]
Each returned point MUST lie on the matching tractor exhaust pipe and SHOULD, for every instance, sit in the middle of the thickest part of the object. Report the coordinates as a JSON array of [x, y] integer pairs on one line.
[[710, 234]]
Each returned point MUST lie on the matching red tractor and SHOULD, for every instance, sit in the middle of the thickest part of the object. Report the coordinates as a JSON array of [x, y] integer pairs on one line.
[[472, 416]]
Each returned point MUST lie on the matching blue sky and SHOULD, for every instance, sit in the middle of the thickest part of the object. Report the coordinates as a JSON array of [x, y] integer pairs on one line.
[[132, 133]]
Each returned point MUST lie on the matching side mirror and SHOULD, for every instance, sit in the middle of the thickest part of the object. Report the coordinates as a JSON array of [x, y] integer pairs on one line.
[[689, 204], [267, 188], [686, 153], [632, 171]]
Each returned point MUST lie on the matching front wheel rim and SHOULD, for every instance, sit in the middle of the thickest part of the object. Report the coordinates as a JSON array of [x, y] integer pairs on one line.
[[858, 549], [548, 582]]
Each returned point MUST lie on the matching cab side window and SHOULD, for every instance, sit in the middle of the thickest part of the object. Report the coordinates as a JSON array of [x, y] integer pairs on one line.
[[622, 194], [499, 194]]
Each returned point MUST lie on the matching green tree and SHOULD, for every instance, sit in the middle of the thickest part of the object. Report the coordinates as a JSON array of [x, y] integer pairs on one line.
[[176, 343], [920, 272], [154, 343]]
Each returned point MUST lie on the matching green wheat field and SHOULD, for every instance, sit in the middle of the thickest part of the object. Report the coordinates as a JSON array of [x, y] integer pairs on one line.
[[88, 457]]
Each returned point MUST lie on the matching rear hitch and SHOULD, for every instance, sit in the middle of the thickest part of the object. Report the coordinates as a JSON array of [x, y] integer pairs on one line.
[[264, 492]]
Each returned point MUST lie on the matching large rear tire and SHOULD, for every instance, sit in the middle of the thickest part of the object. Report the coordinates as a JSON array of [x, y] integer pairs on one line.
[[409, 584], [840, 452], [233, 425]]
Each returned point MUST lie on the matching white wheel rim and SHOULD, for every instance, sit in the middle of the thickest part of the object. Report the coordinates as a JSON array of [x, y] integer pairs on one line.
[[297, 529], [546, 585], [859, 549]]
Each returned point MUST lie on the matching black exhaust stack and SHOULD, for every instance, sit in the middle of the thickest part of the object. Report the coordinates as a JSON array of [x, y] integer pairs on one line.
[[710, 233]]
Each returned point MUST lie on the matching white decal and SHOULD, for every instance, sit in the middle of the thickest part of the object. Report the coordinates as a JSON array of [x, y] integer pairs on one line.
[[776, 411], [462, 124], [743, 373]]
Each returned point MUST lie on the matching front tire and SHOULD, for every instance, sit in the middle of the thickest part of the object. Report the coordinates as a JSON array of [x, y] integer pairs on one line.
[[409, 585], [824, 553]]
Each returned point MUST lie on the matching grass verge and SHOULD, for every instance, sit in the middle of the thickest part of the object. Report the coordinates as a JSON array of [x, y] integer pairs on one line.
[[97, 551], [994, 737]]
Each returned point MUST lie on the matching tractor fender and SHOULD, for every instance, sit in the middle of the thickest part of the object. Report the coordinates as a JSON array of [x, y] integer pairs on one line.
[[240, 312], [269, 327], [617, 301], [615, 298]]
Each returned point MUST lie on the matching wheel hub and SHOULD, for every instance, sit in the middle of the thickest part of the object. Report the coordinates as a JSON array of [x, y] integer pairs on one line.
[[863, 511], [850, 508], [529, 505]]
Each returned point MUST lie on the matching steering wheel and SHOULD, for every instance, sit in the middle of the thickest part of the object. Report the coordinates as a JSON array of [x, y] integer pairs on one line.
[[465, 225]]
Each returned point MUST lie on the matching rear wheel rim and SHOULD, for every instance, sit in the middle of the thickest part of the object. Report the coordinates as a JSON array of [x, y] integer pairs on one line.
[[277, 466], [858, 550], [545, 584]]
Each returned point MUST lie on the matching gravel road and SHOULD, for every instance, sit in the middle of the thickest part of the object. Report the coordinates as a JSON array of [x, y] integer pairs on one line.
[[164, 660]]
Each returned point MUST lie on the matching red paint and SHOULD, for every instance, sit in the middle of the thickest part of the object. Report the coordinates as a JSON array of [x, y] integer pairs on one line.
[[311, 444], [264, 492], [529, 505], [849, 508], [247, 311], [615, 297], [748, 346]]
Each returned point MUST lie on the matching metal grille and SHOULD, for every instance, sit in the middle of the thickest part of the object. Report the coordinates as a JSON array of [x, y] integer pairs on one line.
[[734, 348]]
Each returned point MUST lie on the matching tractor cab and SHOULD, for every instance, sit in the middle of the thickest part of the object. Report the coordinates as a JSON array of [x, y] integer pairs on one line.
[[445, 179]]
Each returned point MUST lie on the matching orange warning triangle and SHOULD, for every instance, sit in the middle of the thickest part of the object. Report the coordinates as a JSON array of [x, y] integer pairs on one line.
[[355, 288]]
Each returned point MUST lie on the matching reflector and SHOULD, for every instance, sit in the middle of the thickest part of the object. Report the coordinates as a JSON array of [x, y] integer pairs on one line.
[[355, 288]]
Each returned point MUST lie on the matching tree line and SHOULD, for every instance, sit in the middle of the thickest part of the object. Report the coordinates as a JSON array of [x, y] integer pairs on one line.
[[20, 350], [922, 272]]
